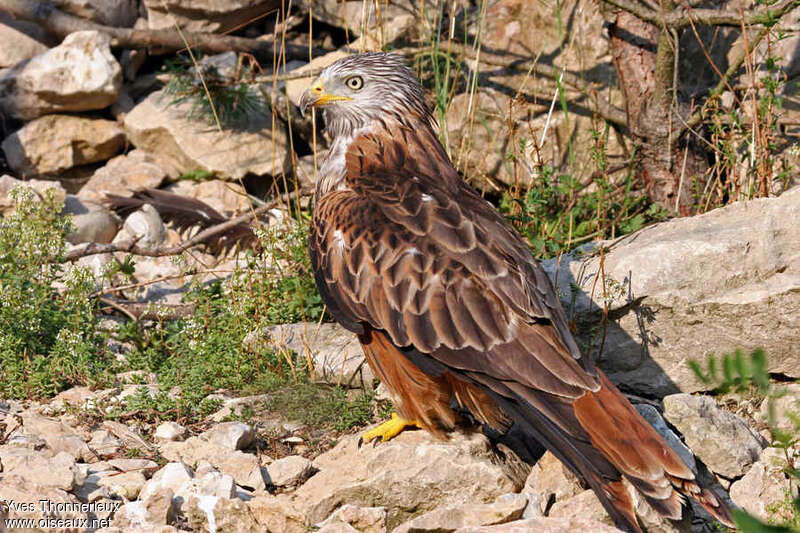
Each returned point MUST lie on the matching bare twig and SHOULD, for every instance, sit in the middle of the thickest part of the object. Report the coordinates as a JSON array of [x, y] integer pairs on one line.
[[167, 40], [93, 248]]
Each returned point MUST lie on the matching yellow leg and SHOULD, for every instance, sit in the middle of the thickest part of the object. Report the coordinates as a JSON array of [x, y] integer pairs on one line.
[[388, 430]]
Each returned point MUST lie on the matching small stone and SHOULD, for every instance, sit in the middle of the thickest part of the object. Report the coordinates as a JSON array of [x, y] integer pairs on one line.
[[50, 145], [59, 472], [93, 222], [243, 467], [122, 175], [159, 507], [213, 483], [289, 471], [104, 443], [19, 40], [722, 440], [765, 484], [363, 519], [231, 435], [169, 432], [550, 481], [124, 484], [172, 476], [453, 518], [145, 466], [80, 74]]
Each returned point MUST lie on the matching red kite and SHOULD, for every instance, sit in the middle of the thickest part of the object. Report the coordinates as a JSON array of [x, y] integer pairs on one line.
[[451, 307]]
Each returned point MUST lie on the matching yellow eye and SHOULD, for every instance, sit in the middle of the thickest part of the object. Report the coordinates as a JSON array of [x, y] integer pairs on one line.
[[354, 82]]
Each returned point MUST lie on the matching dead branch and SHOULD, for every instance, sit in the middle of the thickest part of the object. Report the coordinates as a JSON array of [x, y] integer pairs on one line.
[[149, 310], [93, 248], [162, 41], [681, 18]]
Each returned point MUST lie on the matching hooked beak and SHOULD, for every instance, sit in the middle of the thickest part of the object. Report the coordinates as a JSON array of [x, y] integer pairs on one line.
[[315, 96]]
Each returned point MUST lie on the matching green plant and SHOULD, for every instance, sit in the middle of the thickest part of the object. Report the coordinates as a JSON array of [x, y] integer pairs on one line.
[[49, 338]]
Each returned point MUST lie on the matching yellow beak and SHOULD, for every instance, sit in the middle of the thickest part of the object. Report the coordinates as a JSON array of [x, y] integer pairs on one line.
[[315, 96]]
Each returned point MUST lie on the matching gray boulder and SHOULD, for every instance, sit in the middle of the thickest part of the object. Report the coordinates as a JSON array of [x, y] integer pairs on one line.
[[690, 287]]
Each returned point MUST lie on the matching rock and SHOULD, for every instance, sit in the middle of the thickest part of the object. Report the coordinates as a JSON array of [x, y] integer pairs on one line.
[[230, 435], [79, 397], [59, 472], [169, 432], [212, 484], [210, 513], [722, 440], [52, 144], [93, 222], [412, 473], [30, 496], [225, 197], [289, 471], [236, 406], [59, 438], [655, 419], [210, 16], [445, 520], [550, 481], [783, 407], [115, 13], [129, 437], [19, 40], [243, 467], [765, 484], [105, 444], [145, 466], [144, 225], [584, 505], [276, 514], [126, 485], [546, 525], [352, 15], [363, 519], [39, 189], [157, 509], [337, 355], [172, 477], [181, 145], [122, 175], [78, 75], [337, 527], [724, 280]]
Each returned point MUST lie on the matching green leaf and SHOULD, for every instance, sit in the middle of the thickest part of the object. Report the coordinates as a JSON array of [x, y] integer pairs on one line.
[[750, 524]]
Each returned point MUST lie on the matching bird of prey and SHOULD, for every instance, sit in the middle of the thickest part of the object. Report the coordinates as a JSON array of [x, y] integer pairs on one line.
[[453, 311]]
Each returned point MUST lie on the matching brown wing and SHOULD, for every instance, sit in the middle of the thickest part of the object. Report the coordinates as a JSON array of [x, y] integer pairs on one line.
[[412, 251]]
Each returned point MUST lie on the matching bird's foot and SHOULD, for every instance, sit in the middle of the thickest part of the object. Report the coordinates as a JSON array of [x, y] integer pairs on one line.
[[388, 430]]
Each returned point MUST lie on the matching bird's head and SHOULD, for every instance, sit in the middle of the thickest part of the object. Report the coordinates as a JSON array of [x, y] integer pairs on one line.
[[373, 86]]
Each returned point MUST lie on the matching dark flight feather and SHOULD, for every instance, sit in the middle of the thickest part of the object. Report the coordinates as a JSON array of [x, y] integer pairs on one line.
[[185, 213]]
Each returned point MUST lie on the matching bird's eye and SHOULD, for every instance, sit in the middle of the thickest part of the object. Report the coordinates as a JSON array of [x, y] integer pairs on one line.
[[355, 82]]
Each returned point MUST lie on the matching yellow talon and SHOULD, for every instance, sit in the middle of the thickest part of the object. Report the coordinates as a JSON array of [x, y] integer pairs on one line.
[[389, 429]]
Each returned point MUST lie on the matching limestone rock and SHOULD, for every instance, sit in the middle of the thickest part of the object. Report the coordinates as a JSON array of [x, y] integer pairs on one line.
[[546, 525], [363, 519], [337, 355], [723, 280], [38, 187], [550, 481], [276, 514], [52, 144], [230, 435], [763, 485], [722, 440], [59, 437], [445, 520], [145, 466], [20, 489], [243, 467], [145, 226], [169, 432], [171, 477], [655, 419], [211, 16], [289, 471], [78, 75], [93, 222], [210, 513], [787, 405], [115, 13], [104, 443], [181, 145], [122, 175], [59, 472], [19, 40], [124, 484], [413, 471]]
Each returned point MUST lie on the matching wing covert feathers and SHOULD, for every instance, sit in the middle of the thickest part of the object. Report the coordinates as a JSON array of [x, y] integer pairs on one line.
[[452, 310]]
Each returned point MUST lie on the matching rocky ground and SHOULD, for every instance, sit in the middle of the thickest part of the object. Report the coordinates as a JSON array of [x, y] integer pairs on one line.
[[84, 119]]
